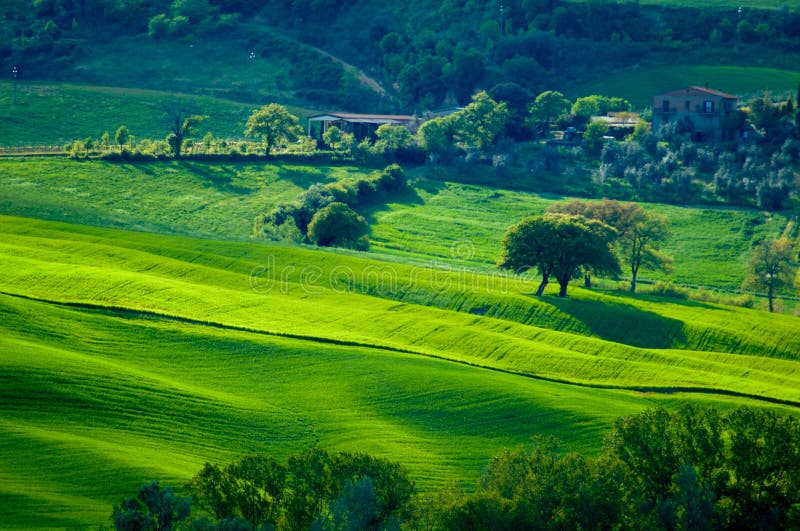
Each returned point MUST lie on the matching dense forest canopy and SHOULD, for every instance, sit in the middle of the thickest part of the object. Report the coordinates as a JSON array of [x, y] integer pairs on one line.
[[422, 53]]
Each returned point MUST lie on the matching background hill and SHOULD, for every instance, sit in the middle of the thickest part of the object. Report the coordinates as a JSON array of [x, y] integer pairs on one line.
[[404, 56]]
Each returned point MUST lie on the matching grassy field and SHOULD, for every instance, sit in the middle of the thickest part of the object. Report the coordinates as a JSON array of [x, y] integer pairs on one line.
[[221, 200], [218, 200], [710, 245], [210, 66], [639, 85], [48, 113], [185, 350]]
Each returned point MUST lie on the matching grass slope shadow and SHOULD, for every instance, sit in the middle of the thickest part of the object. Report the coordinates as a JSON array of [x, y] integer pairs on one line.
[[624, 323]]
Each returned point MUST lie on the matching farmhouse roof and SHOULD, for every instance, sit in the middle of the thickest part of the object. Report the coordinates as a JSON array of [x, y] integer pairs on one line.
[[694, 90], [368, 118]]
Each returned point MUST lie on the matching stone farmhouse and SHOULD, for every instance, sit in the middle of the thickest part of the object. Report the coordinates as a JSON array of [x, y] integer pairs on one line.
[[707, 112]]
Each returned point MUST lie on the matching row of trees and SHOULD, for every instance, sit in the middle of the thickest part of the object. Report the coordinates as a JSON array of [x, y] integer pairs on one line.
[[598, 237], [589, 238], [691, 468]]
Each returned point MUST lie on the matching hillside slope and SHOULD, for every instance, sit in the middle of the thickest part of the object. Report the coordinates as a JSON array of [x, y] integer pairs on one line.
[[127, 357]]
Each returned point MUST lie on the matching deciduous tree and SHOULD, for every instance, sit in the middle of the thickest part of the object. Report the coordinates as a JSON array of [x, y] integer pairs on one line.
[[481, 123], [338, 225], [153, 507], [121, 136], [771, 268], [274, 123], [559, 246], [547, 107]]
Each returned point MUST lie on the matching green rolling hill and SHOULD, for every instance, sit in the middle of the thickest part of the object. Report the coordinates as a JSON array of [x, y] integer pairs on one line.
[[222, 200], [131, 356]]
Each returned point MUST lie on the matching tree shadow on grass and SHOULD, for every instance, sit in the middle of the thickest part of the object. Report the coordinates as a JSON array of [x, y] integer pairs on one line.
[[218, 176], [303, 178], [623, 323], [406, 196]]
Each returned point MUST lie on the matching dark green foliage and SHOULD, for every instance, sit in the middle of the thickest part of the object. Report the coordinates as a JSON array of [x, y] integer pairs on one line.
[[182, 125], [688, 469], [362, 192], [330, 491], [338, 225], [558, 245], [153, 508]]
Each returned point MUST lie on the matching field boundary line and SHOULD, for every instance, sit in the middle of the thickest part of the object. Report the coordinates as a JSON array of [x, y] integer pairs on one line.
[[133, 313]]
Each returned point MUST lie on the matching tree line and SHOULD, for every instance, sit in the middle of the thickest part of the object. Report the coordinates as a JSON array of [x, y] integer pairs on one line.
[[693, 467]]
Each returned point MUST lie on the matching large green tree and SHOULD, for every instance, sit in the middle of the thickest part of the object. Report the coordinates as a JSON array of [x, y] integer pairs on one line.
[[546, 108], [771, 268], [480, 124], [153, 507], [639, 234], [558, 246], [435, 137], [274, 124]]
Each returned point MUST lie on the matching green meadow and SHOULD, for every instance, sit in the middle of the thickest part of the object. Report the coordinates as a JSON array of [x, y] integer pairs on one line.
[[84, 110], [638, 85], [710, 245], [130, 356], [183, 197]]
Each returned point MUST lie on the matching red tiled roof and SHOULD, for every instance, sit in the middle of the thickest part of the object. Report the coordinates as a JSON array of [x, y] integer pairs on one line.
[[694, 90]]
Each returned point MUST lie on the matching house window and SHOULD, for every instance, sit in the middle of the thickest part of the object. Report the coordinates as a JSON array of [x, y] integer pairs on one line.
[[708, 106]]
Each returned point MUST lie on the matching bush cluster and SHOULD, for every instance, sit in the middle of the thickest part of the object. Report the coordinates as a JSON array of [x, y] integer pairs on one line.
[[292, 220]]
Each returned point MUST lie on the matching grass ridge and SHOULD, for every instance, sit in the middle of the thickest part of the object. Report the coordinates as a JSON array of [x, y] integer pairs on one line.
[[123, 311]]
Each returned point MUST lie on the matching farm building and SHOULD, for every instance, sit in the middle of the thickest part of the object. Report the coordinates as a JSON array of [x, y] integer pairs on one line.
[[705, 111], [361, 125]]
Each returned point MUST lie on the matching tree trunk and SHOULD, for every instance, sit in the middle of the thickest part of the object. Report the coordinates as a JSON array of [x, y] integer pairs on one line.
[[634, 274], [539, 291], [770, 296], [562, 292]]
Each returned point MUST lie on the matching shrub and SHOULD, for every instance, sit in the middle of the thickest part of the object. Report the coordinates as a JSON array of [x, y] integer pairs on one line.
[[338, 225], [668, 289]]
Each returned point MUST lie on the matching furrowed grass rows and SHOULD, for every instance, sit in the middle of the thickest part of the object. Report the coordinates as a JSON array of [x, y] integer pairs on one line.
[[329, 296]]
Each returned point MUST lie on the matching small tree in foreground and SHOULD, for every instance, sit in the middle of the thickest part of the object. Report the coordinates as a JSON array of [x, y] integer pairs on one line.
[[771, 268], [559, 246], [338, 225]]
